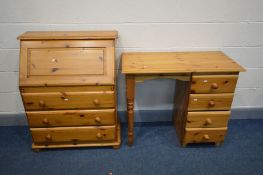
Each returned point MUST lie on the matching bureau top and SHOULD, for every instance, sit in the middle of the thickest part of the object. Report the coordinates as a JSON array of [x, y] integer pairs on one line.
[[178, 62], [56, 35]]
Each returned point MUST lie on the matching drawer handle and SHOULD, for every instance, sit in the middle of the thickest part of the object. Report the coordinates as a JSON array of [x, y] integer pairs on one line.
[[42, 103], [48, 137], [214, 86], [45, 121], [65, 99], [211, 103], [97, 119], [96, 101], [99, 135], [208, 121], [74, 141], [206, 137]]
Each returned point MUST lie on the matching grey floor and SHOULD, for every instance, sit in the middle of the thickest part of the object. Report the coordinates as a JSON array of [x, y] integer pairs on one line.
[[156, 151]]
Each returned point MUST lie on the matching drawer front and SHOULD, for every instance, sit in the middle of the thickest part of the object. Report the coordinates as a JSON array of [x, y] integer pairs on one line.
[[68, 100], [211, 119], [73, 134], [67, 62], [202, 135], [213, 83], [198, 102], [71, 118]]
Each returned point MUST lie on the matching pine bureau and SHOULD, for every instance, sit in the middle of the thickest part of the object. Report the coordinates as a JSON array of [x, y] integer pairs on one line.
[[68, 87]]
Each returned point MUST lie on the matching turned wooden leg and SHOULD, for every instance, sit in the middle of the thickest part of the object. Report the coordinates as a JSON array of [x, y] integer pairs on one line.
[[130, 123], [130, 88]]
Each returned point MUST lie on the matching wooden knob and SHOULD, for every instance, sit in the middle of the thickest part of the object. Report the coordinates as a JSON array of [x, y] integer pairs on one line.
[[54, 60], [211, 103], [42, 103], [206, 137], [48, 137], [45, 121], [97, 119], [96, 101], [214, 86], [99, 135], [74, 141], [208, 121]]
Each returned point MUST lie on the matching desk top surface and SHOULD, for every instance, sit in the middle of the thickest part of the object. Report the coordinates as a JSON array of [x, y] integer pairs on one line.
[[177, 62]]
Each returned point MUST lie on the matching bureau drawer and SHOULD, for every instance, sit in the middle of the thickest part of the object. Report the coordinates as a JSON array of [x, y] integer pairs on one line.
[[201, 135], [68, 100], [210, 102], [73, 134], [71, 118], [213, 83], [210, 119]]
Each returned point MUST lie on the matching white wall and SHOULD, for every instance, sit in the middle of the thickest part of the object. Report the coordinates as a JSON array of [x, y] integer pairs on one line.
[[235, 27]]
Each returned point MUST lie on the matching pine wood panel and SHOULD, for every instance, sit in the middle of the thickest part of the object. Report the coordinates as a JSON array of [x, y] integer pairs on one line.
[[178, 62], [107, 78], [73, 134], [71, 118], [210, 102], [68, 100], [181, 99], [55, 35], [207, 119], [214, 83], [141, 78], [66, 61], [203, 135], [66, 89]]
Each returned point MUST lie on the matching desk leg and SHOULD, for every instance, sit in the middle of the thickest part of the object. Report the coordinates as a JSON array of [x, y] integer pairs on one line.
[[130, 89]]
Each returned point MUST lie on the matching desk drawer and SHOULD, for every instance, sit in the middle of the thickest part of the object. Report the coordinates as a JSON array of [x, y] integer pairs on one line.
[[68, 100], [210, 119], [202, 135], [71, 118], [213, 83], [198, 102], [73, 134]]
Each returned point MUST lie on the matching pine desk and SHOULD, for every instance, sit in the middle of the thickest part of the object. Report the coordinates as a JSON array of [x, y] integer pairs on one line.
[[205, 85]]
